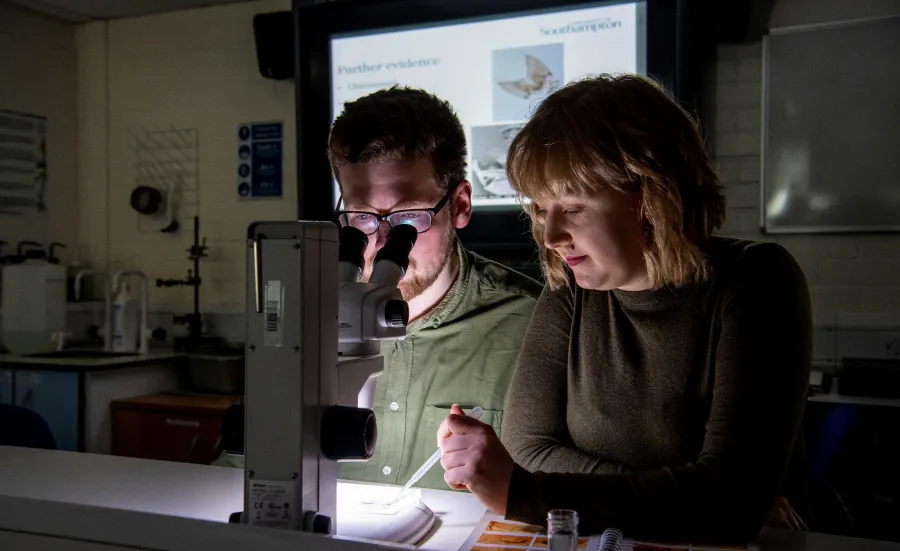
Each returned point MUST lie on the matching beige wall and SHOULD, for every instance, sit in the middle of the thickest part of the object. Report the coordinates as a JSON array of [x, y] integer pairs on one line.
[[193, 71], [846, 273], [37, 76]]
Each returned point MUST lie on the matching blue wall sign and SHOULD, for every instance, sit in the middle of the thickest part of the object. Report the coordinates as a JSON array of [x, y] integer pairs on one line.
[[260, 159]]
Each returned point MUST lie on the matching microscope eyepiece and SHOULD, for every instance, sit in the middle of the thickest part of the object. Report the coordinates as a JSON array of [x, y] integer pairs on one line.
[[399, 243], [396, 313], [352, 246]]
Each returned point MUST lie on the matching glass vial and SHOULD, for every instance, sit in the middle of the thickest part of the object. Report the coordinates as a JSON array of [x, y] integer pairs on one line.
[[562, 530]]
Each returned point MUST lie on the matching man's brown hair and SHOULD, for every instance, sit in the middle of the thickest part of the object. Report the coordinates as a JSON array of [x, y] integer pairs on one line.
[[400, 124], [624, 133]]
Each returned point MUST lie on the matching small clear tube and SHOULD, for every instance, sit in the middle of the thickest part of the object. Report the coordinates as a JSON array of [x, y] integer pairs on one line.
[[403, 493], [562, 530]]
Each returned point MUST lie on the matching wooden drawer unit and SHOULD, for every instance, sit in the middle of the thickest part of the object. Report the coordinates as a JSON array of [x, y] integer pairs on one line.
[[170, 427]]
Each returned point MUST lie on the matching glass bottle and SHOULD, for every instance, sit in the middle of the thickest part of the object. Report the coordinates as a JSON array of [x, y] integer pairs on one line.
[[562, 530]]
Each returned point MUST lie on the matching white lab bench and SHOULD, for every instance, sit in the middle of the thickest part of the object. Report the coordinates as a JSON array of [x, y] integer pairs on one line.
[[213, 493], [184, 490], [834, 397]]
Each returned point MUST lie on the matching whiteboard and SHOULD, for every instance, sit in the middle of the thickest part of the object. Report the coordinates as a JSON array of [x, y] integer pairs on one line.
[[831, 128]]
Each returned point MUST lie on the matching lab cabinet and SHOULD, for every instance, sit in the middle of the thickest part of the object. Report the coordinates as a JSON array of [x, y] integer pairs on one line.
[[73, 398], [6, 380], [54, 395], [170, 427]]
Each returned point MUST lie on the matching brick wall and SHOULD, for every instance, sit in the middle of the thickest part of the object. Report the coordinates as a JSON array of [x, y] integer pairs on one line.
[[854, 279], [184, 73], [847, 273]]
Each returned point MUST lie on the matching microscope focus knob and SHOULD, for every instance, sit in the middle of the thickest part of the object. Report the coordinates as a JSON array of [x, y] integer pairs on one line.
[[321, 524], [348, 433], [396, 313]]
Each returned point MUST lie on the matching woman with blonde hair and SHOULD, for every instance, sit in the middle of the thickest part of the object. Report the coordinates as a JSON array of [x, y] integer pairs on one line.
[[662, 381]]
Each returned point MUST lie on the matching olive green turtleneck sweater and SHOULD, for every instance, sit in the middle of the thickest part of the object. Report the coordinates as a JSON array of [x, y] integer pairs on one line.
[[671, 413]]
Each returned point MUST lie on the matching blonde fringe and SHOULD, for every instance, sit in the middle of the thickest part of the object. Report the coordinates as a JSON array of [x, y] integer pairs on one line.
[[623, 133]]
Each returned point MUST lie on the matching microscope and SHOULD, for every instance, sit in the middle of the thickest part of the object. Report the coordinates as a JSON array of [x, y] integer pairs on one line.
[[313, 354]]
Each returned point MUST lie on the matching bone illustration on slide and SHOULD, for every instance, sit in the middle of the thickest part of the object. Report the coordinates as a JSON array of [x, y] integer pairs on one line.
[[537, 79], [490, 168]]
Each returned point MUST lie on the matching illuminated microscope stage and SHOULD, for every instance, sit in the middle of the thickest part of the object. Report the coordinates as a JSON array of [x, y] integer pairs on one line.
[[407, 521]]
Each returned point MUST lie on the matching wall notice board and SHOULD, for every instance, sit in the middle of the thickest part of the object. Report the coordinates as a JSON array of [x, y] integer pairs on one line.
[[831, 127]]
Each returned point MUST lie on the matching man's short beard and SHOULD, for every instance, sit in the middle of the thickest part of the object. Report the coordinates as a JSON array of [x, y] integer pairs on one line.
[[419, 278]]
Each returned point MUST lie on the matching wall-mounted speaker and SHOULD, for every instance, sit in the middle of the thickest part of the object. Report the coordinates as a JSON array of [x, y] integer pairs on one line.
[[274, 35]]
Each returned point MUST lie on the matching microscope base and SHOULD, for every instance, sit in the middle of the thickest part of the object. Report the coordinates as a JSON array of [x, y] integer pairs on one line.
[[408, 525]]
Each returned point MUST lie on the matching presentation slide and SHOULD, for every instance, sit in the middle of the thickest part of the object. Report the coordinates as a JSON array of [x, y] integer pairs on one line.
[[494, 72]]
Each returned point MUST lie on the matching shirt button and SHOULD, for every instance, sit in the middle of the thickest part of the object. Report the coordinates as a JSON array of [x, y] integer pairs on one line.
[[386, 470], [395, 406]]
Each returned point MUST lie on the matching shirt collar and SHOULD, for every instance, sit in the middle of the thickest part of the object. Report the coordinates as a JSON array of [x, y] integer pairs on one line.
[[451, 300]]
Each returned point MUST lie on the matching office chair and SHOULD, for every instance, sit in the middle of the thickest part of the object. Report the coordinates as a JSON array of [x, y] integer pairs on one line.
[[21, 427], [829, 509]]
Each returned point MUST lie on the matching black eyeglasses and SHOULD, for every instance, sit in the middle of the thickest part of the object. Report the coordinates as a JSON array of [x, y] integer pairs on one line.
[[369, 222]]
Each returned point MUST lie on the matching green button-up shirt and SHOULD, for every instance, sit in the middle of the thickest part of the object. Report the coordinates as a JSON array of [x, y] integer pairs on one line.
[[464, 351]]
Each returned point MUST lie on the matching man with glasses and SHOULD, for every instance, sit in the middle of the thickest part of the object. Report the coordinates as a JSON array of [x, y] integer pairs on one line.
[[399, 156]]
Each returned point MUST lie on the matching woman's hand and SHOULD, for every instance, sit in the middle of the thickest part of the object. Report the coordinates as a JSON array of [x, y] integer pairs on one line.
[[783, 516], [474, 459]]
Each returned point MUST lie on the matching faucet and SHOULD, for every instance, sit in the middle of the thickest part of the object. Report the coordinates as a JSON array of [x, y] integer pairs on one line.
[[59, 337], [107, 305], [144, 331]]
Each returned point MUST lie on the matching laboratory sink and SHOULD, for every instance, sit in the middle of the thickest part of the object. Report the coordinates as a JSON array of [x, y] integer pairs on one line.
[[82, 354]]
